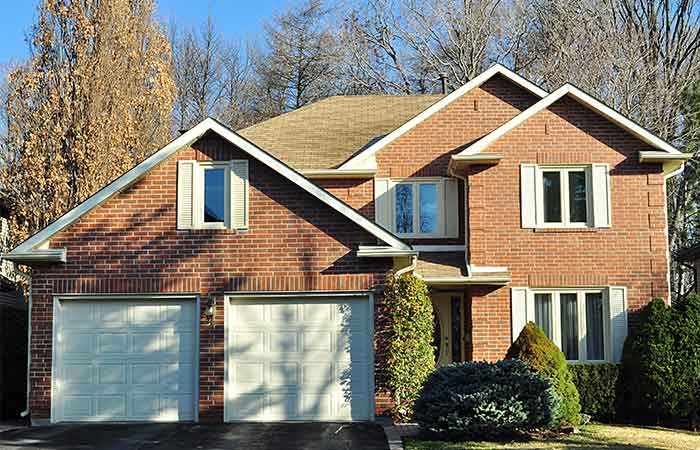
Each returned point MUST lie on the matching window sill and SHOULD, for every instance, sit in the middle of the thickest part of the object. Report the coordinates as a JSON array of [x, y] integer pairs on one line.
[[566, 230]]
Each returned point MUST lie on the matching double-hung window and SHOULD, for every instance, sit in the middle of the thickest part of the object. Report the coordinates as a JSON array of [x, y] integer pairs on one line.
[[418, 207], [575, 321], [576, 196], [212, 194], [564, 195]]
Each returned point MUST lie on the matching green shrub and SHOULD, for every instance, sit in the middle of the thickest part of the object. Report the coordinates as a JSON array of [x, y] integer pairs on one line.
[[648, 392], [410, 353], [661, 364], [535, 348], [485, 400], [597, 386], [687, 358]]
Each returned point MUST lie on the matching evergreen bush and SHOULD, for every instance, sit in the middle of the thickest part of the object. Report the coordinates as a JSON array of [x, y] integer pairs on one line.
[[535, 348], [410, 352], [597, 386], [485, 400]]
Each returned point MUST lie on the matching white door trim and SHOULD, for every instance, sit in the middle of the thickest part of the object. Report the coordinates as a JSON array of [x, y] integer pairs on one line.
[[126, 297], [229, 297]]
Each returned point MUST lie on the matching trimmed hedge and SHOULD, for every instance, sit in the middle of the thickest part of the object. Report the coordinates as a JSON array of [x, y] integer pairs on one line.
[[535, 348], [410, 353], [485, 400], [597, 386]]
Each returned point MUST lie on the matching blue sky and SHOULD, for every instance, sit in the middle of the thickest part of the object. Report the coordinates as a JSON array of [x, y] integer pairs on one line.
[[235, 19]]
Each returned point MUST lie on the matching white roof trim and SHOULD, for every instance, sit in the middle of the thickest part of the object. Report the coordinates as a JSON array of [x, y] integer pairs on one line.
[[359, 161], [338, 174], [43, 255], [383, 252], [585, 100], [185, 140]]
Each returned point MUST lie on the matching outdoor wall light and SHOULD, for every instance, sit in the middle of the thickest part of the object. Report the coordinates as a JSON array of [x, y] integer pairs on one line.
[[210, 311]]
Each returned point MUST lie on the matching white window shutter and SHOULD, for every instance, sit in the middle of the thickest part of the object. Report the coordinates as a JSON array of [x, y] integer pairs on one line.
[[518, 310], [185, 194], [528, 202], [617, 298], [451, 208], [383, 211], [239, 194], [600, 187]]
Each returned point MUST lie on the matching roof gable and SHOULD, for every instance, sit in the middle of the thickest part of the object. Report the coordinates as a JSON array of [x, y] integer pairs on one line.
[[364, 159], [31, 248], [585, 100]]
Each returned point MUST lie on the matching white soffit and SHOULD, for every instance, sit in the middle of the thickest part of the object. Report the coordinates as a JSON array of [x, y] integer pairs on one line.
[[360, 160], [185, 140]]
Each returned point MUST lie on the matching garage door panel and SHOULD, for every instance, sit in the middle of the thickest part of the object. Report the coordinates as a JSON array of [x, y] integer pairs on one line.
[[141, 370], [299, 359]]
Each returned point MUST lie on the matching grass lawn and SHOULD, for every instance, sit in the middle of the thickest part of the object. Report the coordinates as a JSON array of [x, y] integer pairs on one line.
[[591, 437]]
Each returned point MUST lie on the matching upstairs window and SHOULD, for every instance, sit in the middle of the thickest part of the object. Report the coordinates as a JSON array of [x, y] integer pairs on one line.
[[216, 187], [418, 207], [565, 196], [212, 194]]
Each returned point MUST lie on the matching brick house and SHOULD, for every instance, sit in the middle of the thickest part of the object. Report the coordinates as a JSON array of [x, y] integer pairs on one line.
[[237, 276]]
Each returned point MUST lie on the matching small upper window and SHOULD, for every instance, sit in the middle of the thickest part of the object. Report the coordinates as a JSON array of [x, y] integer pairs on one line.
[[214, 195], [417, 207], [564, 196]]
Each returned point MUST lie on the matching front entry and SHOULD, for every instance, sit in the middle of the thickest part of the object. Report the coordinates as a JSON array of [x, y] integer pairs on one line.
[[450, 327]]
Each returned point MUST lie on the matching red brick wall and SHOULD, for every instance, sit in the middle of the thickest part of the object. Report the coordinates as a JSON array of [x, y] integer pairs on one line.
[[631, 253], [130, 245]]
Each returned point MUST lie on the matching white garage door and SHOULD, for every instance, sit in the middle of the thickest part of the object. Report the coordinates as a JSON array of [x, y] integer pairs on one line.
[[124, 360], [299, 359]]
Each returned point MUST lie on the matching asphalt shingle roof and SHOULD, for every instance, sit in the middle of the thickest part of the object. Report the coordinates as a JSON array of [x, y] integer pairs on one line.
[[326, 133]]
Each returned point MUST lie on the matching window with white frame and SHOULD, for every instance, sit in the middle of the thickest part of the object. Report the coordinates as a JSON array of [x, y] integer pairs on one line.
[[564, 195], [212, 194], [213, 204], [418, 207], [576, 320], [573, 196]]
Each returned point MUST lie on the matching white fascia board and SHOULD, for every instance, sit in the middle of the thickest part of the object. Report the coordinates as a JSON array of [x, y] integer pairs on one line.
[[440, 248], [486, 281], [50, 255], [360, 160], [186, 139], [659, 157], [383, 252], [585, 100], [314, 174]]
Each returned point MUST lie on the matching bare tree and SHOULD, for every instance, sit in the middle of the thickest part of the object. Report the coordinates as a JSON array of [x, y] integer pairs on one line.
[[212, 77], [301, 64]]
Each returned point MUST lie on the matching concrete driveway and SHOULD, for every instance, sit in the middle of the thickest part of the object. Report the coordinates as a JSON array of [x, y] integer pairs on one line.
[[306, 436]]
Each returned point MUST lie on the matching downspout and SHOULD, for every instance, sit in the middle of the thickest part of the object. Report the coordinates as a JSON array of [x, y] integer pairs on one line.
[[409, 268], [28, 277]]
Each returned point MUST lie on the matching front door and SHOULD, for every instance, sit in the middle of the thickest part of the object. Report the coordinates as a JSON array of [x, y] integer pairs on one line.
[[450, 330]]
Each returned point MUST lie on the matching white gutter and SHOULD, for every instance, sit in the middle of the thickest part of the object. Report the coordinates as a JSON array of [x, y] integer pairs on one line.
[[338, 174], [383, 252], [25, 413], [36, 255]]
